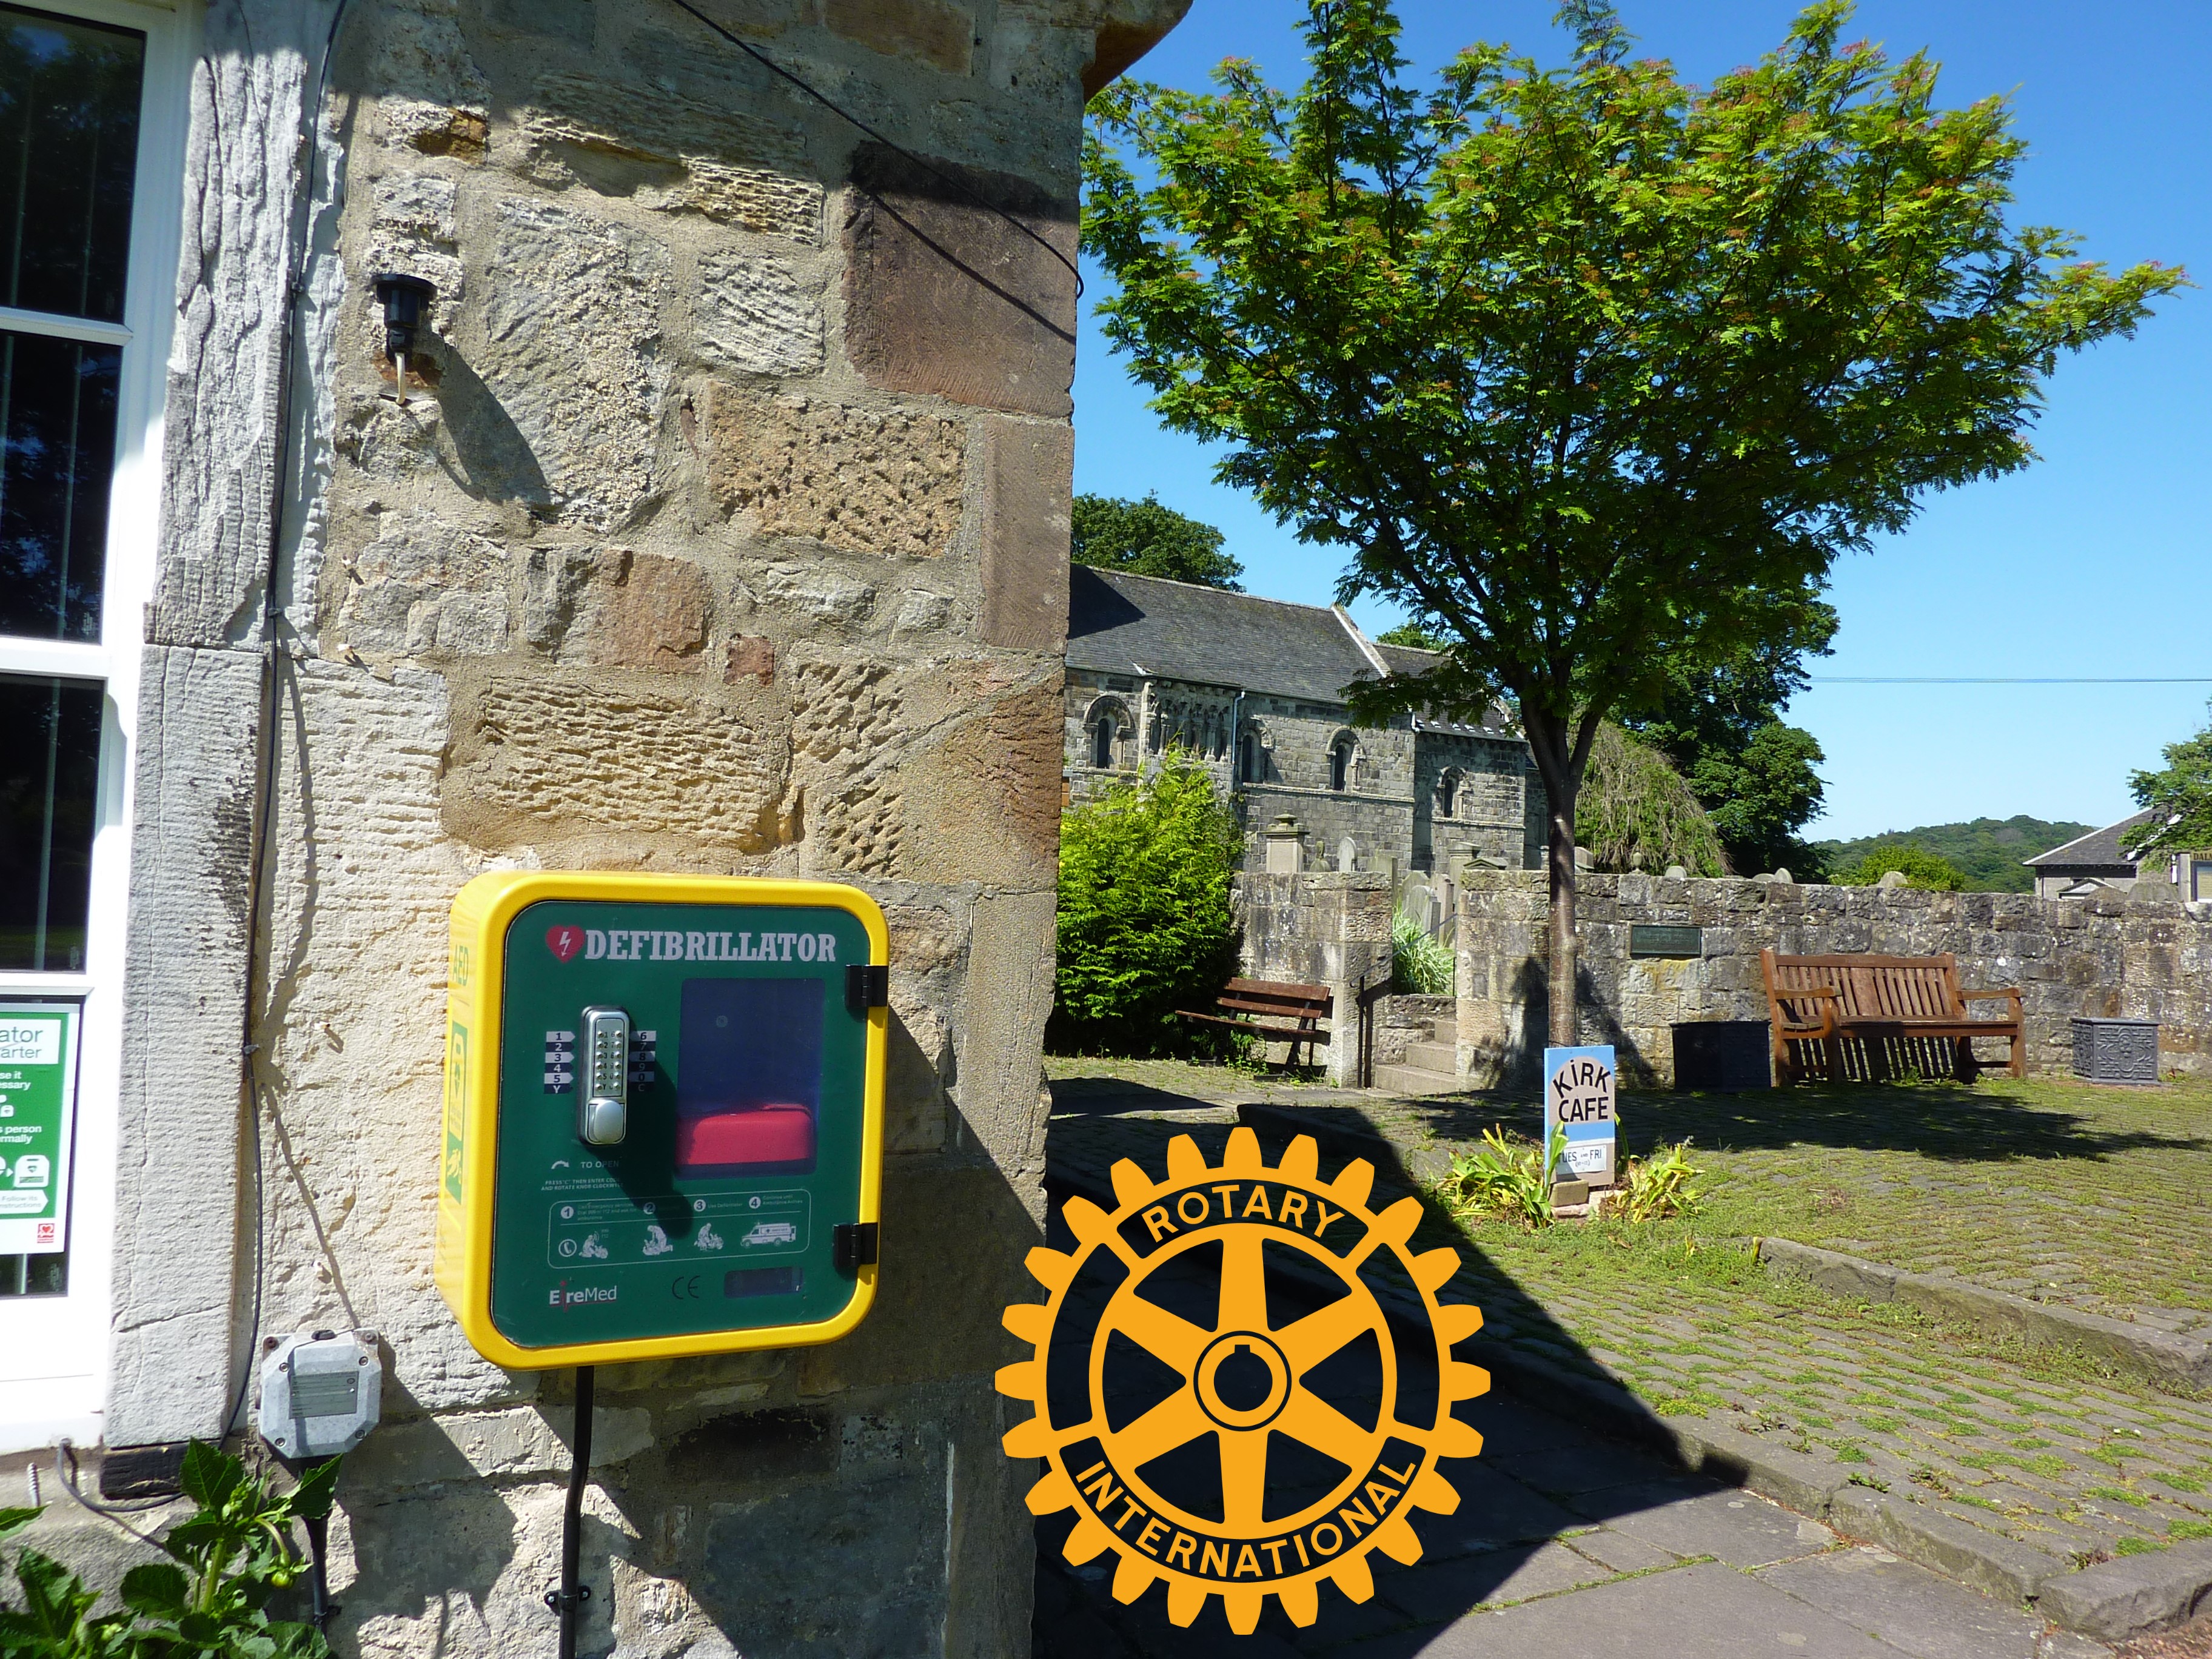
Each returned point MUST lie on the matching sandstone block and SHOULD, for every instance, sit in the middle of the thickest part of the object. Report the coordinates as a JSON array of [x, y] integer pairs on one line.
[[858, 480], [534, 755], [575, 357], [943, 296], [425, 586], [434, 128], [754, 315], [653, 615], [940, 34], [749, 659], [1027, 474]]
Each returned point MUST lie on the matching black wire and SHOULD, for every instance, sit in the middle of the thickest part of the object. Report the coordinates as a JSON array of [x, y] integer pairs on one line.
[[270, 701], [112, 1513], [838, 110], [569, 1600]]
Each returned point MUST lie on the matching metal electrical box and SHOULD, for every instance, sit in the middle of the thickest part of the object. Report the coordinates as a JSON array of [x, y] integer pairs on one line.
[[663, 1126]]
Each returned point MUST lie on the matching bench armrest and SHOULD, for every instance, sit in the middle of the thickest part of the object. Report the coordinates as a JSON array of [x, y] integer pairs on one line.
[[1822, 1026], [1980, 996]]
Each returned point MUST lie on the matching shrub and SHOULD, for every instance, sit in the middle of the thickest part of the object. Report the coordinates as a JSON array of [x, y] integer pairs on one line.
[[227, 1558], [1658, 1186], [1420, 965], [1931, 871], [1144, 923]]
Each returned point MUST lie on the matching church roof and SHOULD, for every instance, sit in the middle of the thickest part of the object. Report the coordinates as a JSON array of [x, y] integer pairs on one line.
[[1119, 623]]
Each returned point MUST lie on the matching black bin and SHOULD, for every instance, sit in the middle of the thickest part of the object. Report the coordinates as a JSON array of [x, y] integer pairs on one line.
[[1727, 1055]]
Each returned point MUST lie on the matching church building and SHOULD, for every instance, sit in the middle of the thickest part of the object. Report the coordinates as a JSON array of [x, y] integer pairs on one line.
[[1254, 690]]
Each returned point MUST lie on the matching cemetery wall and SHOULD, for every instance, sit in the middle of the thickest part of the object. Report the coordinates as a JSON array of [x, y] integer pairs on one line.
[[2143, 955]]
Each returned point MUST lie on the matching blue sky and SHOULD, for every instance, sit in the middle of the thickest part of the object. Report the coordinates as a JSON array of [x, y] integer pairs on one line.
[[2096, 561]]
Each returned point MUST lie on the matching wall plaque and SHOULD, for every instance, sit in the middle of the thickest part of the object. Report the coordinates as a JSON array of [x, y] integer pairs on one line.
[[1650, 939]]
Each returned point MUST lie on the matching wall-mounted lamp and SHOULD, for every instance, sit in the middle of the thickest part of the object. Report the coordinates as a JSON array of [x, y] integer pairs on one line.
[[406, 301]]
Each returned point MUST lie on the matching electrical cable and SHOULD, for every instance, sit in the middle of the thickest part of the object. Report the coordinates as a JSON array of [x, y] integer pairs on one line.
[[834, 108], [111, 1513], [568, 1600], [2003, 679], [249, 1082]]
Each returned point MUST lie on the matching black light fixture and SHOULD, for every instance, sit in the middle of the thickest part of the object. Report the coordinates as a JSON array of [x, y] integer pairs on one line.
[[406, 301]]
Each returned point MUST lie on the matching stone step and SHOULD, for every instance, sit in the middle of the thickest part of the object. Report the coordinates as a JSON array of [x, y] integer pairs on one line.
[[1415, 1080], [1444, 1029], [1442, 1057]]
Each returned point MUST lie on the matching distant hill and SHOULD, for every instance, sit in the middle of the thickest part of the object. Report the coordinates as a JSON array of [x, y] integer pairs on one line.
[[1988, 851]]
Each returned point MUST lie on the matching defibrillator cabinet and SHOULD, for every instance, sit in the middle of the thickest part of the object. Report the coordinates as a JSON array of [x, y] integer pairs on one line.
[[663, 1127]]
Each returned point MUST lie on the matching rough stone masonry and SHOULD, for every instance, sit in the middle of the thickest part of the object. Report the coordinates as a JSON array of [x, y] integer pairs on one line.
[[722, 527], [2140, 954]]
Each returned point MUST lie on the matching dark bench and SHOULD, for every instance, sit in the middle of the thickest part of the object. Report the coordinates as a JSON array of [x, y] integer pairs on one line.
[[1868, 1016], [1272, 1011]]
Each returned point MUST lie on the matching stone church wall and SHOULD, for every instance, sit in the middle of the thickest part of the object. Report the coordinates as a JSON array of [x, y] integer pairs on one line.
[[727, 533]]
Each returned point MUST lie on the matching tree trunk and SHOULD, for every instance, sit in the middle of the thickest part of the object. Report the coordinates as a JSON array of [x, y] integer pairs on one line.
[[1562, 861], [1550, 743]]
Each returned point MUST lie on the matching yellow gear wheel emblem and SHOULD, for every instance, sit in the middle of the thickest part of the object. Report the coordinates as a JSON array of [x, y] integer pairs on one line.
[[1243, 1380]]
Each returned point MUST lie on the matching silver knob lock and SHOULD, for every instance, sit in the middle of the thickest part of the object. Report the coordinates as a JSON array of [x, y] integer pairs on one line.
[[603, 1103]]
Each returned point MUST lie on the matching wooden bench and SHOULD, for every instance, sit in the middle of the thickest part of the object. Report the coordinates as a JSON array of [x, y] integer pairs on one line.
[[1274, 1012], [1866, 1018]]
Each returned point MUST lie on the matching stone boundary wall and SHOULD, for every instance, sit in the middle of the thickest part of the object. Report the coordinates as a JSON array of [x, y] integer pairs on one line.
[[2140, 956], [1321, 927]]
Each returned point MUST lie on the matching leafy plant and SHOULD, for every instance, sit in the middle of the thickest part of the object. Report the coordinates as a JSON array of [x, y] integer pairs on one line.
[[1420, 965], [1928, 872], [1658, 1186], [1144, 923], [1502, 1179], [229, 1556]]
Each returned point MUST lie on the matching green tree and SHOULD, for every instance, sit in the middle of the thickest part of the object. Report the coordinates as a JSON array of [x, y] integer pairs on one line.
[[1146, 539], [1921, 868], [2180, 796], [1599, 370], [1636, 813], [1144, 923], [1414, 637]]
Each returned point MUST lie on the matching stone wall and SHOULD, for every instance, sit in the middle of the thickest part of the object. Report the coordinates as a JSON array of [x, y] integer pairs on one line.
[[2143, 956], [725, 530], [1319, 928]]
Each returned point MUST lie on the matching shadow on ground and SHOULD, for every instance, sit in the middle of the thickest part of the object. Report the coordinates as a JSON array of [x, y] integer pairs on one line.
[[1547, 1508]]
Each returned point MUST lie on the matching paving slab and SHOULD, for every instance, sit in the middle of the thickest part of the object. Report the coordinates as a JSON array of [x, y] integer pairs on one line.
[[1620, 1551], [1591, 1466], [1703, 1612], [1450, 1588], [1696, 1519], [1908, 1606], [1494, 1509]]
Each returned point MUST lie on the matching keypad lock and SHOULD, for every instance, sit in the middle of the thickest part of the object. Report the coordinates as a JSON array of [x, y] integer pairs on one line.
[[602, 1102]]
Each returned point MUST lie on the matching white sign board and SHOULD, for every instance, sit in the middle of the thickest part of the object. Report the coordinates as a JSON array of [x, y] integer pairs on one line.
[[1579, 1099]]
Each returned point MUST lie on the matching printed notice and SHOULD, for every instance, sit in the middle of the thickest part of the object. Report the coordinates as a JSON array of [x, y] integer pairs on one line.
[[38, 1106]]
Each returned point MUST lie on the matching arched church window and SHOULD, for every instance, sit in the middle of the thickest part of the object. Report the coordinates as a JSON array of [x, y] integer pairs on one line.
[[1339, 764], [1448, 789], [1102, 742]]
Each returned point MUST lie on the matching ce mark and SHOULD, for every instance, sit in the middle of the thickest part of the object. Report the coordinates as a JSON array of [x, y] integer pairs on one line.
[[685, 1287]]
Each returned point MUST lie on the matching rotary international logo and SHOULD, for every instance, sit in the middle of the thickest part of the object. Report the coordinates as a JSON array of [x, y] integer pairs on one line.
[[1240, 1471]]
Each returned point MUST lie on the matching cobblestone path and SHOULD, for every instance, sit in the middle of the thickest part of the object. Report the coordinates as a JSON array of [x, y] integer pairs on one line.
[[2038, 1446]]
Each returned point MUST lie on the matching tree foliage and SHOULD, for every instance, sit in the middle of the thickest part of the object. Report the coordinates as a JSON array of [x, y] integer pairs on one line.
[[1598, 370], [1636, 813], [1990, 852], [2180, 796], [1146, 539], [1931, 871], [1144, 923], [1414, 637]]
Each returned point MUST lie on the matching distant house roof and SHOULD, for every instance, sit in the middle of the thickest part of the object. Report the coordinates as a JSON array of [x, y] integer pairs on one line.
[[2098, 852], [1118, 623]]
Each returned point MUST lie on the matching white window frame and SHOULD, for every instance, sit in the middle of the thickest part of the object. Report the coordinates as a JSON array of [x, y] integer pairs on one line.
[[54, 1349]]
